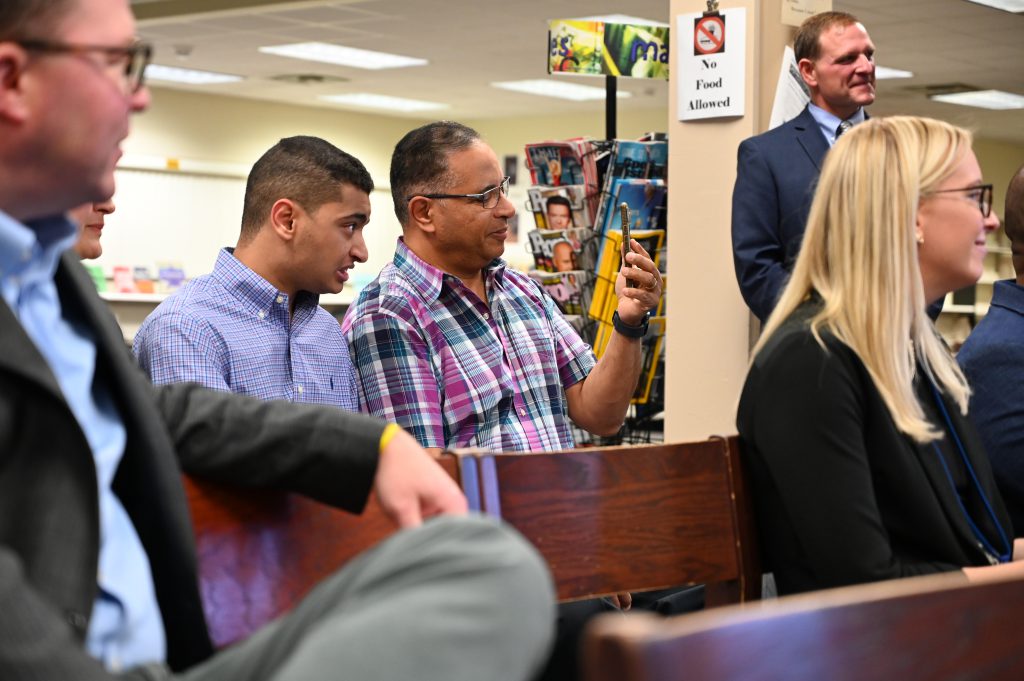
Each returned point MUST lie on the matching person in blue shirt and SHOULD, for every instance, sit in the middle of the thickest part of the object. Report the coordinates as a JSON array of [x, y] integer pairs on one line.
[[993, 360], [254, 325], [98, 574]]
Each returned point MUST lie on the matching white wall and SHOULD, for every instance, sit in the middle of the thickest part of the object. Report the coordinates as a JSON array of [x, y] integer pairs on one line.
[[185, 218]]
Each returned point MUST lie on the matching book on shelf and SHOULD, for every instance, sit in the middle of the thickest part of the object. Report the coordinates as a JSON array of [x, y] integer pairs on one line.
[[98, 276]]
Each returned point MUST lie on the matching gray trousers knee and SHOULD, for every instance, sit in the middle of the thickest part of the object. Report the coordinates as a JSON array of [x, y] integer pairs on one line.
[[459, 599]]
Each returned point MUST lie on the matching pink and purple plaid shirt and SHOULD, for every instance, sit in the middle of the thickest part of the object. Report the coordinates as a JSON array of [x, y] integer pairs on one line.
[[454, 372]]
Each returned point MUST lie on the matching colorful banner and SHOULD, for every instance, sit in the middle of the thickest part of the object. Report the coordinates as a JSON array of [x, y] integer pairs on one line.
[[594, 48]]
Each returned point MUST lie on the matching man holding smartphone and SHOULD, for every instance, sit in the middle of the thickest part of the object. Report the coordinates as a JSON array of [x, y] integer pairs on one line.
[[463, 351]]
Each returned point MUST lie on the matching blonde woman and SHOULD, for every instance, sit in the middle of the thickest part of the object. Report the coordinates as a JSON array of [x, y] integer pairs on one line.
[[853, 417]]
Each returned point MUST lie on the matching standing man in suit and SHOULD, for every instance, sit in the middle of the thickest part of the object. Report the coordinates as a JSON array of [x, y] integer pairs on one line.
[[97, 561], [993, 361], [777, 170]]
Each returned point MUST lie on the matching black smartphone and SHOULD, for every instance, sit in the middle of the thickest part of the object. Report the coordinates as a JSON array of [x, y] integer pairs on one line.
[[626, 248]]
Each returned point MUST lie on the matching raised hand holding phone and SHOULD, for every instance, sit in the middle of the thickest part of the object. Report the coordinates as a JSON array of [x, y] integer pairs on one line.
[[626, 246]]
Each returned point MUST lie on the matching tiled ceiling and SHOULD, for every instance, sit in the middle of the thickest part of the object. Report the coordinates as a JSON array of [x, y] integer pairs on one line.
[[470, 43]]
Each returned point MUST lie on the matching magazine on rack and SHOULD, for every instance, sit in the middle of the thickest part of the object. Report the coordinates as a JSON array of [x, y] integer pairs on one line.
[[646, 201], [609, 261], [562, 250], [575, 194], [570, 290], [635, 161]]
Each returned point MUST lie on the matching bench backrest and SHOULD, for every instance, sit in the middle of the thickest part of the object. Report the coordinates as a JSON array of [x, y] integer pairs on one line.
[[930, 628], [606, 519], [261, 551], [631, 518]]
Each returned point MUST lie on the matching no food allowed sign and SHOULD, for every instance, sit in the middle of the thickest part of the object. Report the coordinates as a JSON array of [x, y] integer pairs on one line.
[[712, 79]]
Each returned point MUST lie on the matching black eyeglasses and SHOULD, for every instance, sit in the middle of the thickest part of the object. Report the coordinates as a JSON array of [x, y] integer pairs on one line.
[[981, 193], [135, 56], [488, 199]]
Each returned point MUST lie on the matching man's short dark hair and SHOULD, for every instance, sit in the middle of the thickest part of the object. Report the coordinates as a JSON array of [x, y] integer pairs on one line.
[[558, 201], [21, 19], [1013, 218], [306, 170], [419, 164], [807, 43]]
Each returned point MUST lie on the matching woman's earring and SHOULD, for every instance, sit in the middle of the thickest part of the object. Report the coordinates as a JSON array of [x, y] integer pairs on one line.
[[920, 239]]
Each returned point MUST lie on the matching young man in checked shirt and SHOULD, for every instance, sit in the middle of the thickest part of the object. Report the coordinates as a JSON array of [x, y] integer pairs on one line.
[[459, 349], [253, 325]]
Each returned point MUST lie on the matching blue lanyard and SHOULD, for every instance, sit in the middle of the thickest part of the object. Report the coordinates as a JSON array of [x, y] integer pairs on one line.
[[993, 555]]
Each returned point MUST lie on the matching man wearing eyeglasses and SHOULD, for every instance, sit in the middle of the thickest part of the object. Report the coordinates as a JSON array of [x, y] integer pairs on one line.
[[461, 350], [97, 562], [993, 360]]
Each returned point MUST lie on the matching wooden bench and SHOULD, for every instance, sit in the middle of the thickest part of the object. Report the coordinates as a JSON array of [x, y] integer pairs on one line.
[[634, 518], [606, 519], [261, 551], [928, 628]]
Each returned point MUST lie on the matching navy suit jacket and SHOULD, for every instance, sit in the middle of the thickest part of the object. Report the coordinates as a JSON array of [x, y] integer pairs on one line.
[[775, 179], [993, 360]]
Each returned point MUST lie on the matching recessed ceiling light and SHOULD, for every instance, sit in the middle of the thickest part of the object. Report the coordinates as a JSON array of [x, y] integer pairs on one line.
[[983, 99], [1005, 5], [620, 19], [559, 89], [343, 56], [176, 74], [884, 72], [366, 100]]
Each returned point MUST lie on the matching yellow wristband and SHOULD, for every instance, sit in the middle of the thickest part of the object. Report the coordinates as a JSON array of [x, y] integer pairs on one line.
[[390, 431]]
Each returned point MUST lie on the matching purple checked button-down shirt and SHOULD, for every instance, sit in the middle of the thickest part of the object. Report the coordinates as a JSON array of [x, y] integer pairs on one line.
[[457, 372]]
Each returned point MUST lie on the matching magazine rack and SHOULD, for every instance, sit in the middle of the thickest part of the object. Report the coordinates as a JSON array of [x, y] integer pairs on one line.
[[577, 247]]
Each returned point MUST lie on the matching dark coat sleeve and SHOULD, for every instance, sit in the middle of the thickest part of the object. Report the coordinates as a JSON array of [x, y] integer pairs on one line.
[[994, 366], [758, 250], [324, 452]]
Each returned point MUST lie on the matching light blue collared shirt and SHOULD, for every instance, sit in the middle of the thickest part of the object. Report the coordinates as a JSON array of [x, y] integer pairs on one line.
[[828, 122], [126, 629]]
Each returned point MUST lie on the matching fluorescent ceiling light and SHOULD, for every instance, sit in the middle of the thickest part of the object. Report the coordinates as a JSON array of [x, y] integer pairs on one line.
[[620, 19], [343, 56], [983, 99], [370, 101], [176, 74], [559, 89], [884, 72], [1006, 5]]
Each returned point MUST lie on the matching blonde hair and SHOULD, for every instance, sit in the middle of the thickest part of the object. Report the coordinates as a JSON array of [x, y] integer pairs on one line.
[[859, 254]]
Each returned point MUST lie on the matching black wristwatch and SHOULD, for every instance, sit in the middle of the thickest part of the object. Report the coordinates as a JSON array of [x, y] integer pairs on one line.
[[631, 331]]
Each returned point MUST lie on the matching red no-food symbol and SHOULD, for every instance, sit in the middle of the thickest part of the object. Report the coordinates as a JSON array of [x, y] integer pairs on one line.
[[709, 35]]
